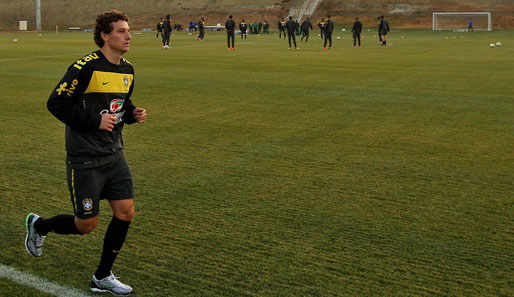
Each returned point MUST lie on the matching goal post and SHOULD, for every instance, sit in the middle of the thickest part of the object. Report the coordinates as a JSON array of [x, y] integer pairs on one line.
[[460, 21]]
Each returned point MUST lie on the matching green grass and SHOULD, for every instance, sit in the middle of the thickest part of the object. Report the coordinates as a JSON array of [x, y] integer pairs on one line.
[[381, 171]]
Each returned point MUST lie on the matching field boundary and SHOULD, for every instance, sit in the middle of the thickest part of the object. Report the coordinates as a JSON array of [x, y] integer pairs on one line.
[[39, 284]]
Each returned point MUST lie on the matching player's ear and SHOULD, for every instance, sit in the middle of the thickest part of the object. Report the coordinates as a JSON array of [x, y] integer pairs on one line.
[[104, 36]]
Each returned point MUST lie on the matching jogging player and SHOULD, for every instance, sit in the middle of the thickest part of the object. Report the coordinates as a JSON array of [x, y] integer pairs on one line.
[[329, 28], [93, 100], [357, 29], [230, 26], [306, 26]]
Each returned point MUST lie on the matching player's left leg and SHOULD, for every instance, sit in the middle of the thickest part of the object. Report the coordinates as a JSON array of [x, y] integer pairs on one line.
[[119, 190], [103, 279]]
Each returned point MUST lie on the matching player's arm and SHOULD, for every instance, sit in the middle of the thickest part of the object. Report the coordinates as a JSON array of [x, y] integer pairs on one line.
[[128, 116], [66, 105], [132, 113]]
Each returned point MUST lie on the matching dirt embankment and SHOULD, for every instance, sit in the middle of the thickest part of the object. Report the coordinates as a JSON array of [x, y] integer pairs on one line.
[[400, 14]]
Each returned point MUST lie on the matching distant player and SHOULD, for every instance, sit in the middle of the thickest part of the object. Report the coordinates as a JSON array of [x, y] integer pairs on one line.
[[201, 29], [230, 26], [329, 28], [159, 28], [243, 27], [93, 99], [356, 30], [470, 25], [384, 30], [166, 29], [380, 29], [321, 26], [291, 26], [281, 28], [306, 26], [265, 27], [298, 30]]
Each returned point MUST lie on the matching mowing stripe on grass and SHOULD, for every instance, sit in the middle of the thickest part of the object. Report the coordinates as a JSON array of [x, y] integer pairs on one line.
[[37, 283]]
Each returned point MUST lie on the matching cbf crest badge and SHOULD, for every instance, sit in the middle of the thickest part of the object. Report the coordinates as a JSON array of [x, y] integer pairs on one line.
[[87, 204], [125, 81]]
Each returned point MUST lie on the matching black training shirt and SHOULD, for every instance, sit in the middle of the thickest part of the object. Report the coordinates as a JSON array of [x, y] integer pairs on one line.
[[93, 86]]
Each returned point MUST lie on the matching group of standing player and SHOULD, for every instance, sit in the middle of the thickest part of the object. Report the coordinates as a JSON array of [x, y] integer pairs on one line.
[[326, 29], [290, 26], [253, 28]]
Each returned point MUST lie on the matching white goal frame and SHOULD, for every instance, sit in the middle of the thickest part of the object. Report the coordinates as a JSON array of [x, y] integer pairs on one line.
[[435, 14]]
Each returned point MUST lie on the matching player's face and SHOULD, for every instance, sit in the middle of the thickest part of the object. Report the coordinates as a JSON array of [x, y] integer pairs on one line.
[[119, 38]]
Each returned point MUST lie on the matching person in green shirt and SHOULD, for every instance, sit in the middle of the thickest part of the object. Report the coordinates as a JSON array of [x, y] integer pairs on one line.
[[265, 28]]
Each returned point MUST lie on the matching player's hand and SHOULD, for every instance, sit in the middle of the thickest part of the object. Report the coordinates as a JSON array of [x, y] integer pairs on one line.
[[140, 115], [107, 123]]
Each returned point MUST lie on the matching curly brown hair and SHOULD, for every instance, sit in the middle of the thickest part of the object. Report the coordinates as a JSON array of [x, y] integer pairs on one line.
[[104, 24]]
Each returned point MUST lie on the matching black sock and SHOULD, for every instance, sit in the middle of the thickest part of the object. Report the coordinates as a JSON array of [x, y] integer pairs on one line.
[[113, 241], [60, 224]]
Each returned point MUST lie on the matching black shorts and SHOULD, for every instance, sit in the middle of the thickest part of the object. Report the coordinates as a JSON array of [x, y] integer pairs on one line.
[[384, 32], [111, 181]]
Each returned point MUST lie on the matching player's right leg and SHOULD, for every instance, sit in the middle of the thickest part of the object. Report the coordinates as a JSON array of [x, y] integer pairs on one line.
[[33, 240], [38, 227], [84, 195]]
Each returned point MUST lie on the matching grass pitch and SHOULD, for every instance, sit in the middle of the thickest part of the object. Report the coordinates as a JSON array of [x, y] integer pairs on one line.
[[380, 171]]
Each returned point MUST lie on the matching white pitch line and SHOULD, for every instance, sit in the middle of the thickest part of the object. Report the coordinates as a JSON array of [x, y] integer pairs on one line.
[[39, 284]]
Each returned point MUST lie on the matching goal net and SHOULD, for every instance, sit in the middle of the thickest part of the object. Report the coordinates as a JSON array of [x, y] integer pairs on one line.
[[460, 21]]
